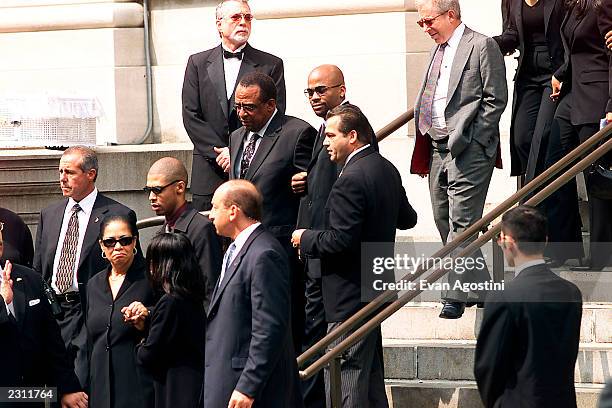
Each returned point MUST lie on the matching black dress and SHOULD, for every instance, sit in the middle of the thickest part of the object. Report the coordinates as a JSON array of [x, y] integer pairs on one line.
[[173, 352], [115, 379]]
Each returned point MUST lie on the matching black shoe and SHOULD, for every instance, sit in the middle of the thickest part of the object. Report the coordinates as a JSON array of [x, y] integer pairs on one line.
[[452, 310], [479, 304]]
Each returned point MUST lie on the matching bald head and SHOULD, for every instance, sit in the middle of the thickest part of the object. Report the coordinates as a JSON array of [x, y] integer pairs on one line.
[[328, 79], [170, 168], [236, 205]]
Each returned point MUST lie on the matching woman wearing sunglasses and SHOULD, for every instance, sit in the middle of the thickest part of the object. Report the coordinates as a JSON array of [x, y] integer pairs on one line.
[[115, 319], [173, 351]]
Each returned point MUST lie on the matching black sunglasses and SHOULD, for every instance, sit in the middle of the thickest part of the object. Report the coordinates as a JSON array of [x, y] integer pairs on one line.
[[320, 90], [123, 241], [238, 16], [428, 21], [157, 189]]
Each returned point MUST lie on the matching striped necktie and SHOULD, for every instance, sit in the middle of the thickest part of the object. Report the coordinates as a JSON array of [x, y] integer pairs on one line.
[[65, 268], [425, 119]]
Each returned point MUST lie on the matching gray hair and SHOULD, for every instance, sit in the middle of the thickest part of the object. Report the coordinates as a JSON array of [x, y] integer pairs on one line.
[[89, 160], [219, 9], [441, 5]]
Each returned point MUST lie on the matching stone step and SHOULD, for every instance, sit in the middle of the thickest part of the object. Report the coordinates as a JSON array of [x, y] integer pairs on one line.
[[460, 394], [419, 321], [453, 360]]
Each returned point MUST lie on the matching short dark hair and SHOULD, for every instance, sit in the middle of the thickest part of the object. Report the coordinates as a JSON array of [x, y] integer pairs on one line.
[[266, 85], [244, 195], [527, 226], [126, 219], [89, 159], [352, 118], [173, 267]]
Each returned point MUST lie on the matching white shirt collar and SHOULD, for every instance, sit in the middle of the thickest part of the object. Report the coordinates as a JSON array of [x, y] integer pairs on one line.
[[453, 42], [86, 203], [261, 132], [243, 236], [520, 268], [350, 156], [237, 49]]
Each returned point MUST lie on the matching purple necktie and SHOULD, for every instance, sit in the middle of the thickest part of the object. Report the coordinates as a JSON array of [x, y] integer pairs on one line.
[[429, 90]]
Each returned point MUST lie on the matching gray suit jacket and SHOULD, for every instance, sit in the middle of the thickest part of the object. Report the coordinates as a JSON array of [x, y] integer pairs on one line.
[[476, 98]]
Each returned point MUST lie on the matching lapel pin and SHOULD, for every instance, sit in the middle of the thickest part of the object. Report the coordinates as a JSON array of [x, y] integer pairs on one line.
[[18, 280], [96, 220]]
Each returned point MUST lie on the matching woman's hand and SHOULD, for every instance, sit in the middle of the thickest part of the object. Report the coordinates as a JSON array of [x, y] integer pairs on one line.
[[556, 88], [135, 314]]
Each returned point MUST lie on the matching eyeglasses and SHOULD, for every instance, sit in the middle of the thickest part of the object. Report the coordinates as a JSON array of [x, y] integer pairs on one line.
[[238, 16], [123, 241], [320, 90], [157, 190], [428, 21], [249, 107]]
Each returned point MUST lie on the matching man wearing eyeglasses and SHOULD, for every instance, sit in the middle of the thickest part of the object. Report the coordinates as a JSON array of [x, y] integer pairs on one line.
[[67, 253], [457, 112], [211, 76], [268, 150], [166, 185], [528, 342]]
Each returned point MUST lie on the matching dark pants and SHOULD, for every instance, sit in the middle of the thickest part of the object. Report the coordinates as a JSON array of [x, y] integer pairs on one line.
[[73, 332]]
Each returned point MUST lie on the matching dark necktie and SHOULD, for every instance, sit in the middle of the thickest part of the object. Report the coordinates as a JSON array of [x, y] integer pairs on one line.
[[320, 136], [65, 268], [247, 155], [425, 119], [229, 54]]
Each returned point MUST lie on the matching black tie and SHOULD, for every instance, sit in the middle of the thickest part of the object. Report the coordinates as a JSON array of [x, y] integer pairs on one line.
[[229, 54]]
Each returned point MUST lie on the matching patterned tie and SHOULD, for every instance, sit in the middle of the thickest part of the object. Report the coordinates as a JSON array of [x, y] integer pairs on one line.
[[429, 90], [228, 260], [65, 268], [247, 155]]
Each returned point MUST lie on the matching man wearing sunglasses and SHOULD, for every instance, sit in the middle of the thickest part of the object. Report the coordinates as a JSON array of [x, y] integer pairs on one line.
[[211, 76], [67, 253], [528, 342], [457, 112], [166, 185]]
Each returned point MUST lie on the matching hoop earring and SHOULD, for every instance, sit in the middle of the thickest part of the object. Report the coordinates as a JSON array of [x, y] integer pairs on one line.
[[135, 251], [104, 255]]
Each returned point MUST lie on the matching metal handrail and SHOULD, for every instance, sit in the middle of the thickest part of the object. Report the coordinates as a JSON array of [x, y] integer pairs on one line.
[[481, 225]]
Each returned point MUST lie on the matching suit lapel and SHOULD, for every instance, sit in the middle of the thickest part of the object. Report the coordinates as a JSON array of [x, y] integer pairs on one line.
[[93, 230], [54, 228], [548, 9], [318, 145], [518, 12], [232, 269], [248, 65], [265, 146], [19, 300], [464, 49], [236, 146], [216, 74]]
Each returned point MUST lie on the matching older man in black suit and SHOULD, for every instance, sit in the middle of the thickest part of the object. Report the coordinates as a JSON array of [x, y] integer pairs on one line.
[[528, 341], [67, 253], [167, 184], [268, 150], [208, 94], [366, 204], [34, 354], [249, 354]]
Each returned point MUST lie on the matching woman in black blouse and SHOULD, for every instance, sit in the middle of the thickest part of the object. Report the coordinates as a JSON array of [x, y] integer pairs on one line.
[[115, 306], [583, 84], [173, 351]]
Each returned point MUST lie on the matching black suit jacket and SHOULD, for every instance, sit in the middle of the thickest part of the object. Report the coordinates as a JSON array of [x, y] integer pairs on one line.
[[284, 150], [528, 342], [367, 203], [18, 246], [205, 241], [248, 336], [90, 261], [587, 71], [209, 117], [512, 38], [34, 353]]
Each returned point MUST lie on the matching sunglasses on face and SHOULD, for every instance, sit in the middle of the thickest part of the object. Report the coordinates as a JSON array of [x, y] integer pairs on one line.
[[238, 16], [123, 241], [249, 107], [320, 90], [157, 189], [428, 21]]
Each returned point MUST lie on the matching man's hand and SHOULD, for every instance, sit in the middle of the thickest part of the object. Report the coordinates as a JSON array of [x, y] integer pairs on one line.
[[296, 237], [75, 400], [556, 88], [298, 182], [239, 400], [609, 117], [223, 158], [6, 283], [609, 40]]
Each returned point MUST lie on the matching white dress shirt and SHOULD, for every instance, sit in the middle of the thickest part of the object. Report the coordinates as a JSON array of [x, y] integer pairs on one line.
[[350, 156], [438, 121], [520, 268], [231, 68], [238, 244], [10, 309], [261, 132], [83, 216]]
